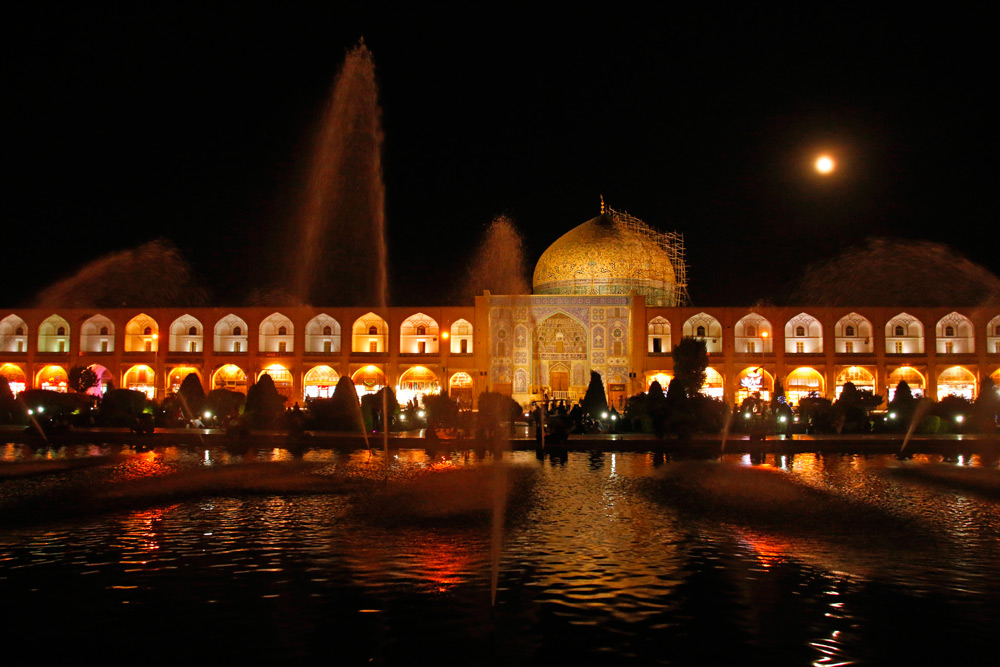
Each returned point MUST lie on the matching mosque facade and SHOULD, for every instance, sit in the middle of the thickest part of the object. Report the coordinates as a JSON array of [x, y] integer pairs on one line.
[[609, 296]]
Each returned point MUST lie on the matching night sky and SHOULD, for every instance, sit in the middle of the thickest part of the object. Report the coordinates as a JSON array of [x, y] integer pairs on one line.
[[196, 125]]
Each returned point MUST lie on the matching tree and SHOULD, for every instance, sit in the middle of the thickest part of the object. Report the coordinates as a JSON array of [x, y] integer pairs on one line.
[[264, 403], [192, 394], [442, 411], [493, 410], [986, 410], [902, 406], [82, 378], [853, 407], [677, 414], [9, 411], [595, 401], [340, 412], [121, 407], [690, 363], [224, 404], [372, 408]]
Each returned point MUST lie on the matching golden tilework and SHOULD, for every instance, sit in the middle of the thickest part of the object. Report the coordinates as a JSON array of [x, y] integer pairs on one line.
[[604, 257]]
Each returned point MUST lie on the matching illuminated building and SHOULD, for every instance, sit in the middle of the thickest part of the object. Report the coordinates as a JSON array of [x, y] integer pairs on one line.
[[610, 296]]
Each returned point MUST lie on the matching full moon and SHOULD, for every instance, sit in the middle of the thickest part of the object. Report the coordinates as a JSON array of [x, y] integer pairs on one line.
[[824, 164]]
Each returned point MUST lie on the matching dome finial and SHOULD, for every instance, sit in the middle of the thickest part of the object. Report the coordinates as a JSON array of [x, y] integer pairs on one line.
[[602, 204]]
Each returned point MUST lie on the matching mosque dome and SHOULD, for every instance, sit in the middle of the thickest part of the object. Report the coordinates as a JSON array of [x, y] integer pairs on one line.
[[611, 254]]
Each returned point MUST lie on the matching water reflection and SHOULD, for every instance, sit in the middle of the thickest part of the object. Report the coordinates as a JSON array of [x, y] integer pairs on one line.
[[608, 557]]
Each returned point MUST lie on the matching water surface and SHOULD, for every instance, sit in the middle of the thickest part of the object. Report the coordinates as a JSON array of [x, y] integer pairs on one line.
[[609, 558]]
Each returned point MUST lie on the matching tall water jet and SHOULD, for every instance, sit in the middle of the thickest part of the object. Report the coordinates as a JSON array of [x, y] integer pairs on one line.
[[342, 253], [499, 263], [151, 275], [498, 268], [895, 272]]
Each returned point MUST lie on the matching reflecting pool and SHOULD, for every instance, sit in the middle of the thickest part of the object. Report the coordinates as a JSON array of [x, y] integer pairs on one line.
[[608, 558]]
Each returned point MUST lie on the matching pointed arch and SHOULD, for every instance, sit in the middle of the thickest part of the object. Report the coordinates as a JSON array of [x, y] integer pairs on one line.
[[186, 335], [853, 335], [230, 377], [231, 336], [704, 327], [97, 335], [52, 378], [320, 382], [957, 381], [323, 335], [993, 336], [142, 334], [141, 378], [803, 335], [277, 334], [370, 333], [461, 337], [16, 379], [954, 334], [53, 334], [753, 334], [658, 336], [13, 334], [418, 334], [904, 334]]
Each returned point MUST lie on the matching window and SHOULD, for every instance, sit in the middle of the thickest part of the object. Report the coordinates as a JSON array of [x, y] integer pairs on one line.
[[104, 331], [19, 331], [282, 331], [327, 346], [373, 330], [373, 345], [899, 330], [421, 330], [657, 346], [849, 331], [282, 346], [800, 347], [751, 346], [849, 347], [147, 331], [192, 331], [327, 330], [700, 332], [899, 347], [751, 330], [237, 331], [949, 330], [800, 331], [61, 331]]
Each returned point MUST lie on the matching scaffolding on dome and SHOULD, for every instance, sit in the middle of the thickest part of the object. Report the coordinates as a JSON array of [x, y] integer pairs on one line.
[[671, 243]]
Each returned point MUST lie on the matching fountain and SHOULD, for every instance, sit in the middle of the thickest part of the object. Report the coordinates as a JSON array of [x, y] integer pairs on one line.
[[899, 273], [342, 255], [342, 249], [152, 275], [498, 267]]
